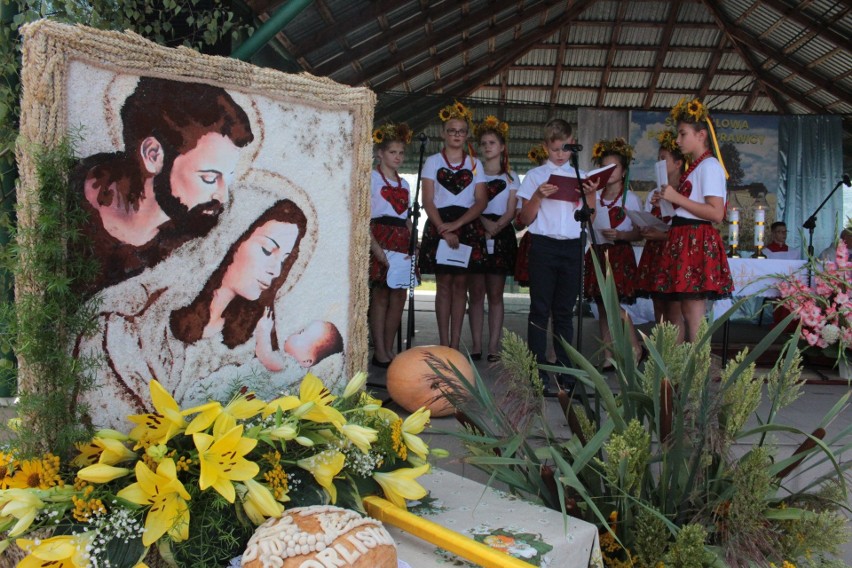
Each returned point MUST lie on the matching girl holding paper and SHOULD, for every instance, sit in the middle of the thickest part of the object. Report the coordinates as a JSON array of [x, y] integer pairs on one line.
[[454, 196], [693, 267], [390, 232], [619, 233], [501, 245], [655, 240]]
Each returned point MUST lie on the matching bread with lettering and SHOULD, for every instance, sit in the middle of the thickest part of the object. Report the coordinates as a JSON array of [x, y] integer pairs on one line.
[[321, 536]]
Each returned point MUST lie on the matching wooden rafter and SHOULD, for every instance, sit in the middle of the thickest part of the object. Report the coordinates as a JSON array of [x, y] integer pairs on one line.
[[725, 25], [665, 41], [712, 69], [797, 14], [610, 56], [484, 35], [340, 29], [557, 70]]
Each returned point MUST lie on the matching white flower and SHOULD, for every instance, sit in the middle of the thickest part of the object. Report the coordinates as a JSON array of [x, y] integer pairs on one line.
[[830, 333]]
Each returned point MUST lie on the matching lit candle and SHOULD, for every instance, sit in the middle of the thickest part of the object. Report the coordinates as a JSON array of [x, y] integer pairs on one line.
[[734, 235], [734, 215], [759, 215], [758, 236]]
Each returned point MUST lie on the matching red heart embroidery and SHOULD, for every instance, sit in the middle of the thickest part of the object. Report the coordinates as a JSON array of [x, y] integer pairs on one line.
[[616, 216], [685, 190], [455, 182], [397, 197], [494, 187]]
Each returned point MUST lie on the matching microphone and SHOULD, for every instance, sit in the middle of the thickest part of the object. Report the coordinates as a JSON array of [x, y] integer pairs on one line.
[[572, 147], [422, 137], [846, 181]]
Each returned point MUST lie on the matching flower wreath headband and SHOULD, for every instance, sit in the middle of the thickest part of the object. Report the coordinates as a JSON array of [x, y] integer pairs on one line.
[[694, 111], [538, 154], [458, 111], [494, 124], [391, 132], [617, 146], [668, 140]]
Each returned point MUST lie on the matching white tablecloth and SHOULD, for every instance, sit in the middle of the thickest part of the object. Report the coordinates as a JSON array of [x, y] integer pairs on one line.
[[752, 276], [530, 532]]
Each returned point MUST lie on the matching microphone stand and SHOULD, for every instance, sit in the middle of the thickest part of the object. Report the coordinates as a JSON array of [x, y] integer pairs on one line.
[[412, 245], [583, 215], [810, 224]]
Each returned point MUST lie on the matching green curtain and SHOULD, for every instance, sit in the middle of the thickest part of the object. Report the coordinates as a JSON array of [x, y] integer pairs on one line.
[[810, 163]]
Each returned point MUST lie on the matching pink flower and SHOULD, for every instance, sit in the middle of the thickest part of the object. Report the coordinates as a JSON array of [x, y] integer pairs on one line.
[[842, 254]]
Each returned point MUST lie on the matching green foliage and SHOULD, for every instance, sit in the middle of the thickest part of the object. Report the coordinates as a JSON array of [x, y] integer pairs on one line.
[[667, 444], [48, 314]]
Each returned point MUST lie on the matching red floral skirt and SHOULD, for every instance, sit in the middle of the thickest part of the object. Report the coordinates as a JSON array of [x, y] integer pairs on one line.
[[472, 234], [693, 264], [646, 271], [623, 264], [391, 235], [505, 250], [522, 261]]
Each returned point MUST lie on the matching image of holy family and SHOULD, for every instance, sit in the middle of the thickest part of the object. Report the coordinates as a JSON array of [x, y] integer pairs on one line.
[[194, 258]]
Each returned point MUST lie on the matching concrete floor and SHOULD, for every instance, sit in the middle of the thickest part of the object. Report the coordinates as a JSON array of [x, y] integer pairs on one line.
[[821, 392]]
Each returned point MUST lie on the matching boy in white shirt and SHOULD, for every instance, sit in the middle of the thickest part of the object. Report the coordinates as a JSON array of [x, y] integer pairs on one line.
[[555, 254]]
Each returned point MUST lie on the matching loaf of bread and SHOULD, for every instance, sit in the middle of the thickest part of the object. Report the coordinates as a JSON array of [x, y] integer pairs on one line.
[[320, 537]]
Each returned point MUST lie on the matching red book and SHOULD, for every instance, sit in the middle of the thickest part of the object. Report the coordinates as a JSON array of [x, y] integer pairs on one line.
[[571, 190]]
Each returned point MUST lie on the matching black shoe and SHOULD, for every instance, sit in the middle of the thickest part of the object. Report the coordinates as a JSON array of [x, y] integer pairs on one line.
[[381, 365], [493, 357], [476, 356]]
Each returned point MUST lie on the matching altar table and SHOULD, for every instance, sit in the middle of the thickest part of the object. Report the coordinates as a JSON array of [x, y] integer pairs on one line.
[[530, 532]]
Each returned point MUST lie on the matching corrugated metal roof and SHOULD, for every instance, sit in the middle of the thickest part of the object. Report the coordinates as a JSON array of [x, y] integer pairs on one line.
[[473, 52]]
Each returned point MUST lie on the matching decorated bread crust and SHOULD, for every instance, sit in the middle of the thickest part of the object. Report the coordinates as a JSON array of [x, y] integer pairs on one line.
[[320, 537]]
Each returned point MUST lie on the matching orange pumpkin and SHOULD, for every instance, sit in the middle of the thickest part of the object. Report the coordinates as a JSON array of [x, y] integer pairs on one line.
[[412, 383]]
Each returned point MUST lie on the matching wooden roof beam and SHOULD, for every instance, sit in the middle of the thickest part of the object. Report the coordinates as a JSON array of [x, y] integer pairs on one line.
[[506, 24], [560, 61], [713, 67], [616, 30], [796, 14], [430, 36], [340, 29], [725, 25], [665, 40]]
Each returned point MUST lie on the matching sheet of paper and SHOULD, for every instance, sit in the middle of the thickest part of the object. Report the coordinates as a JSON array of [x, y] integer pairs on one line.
[[666, 208], [600, 223], [792, 254], [644, 219], [662, 174], [399, 270], [453, 257]]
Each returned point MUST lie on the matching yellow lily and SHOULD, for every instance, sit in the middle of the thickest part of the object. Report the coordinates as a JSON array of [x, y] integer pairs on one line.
[[355, 384], [169, 512], [102, 473], [258, 502], [311, 404], [222, 460], [400, 485], [361, 436], [56, 552], [284, 432], [164, 424], [242, 407], [412, 426], [20, 504], [324, 466]]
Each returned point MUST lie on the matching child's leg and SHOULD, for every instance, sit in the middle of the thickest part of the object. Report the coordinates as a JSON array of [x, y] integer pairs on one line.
[[542, 285], [674, 315], [567, 290], [459, 305], [443, 303], [476, 309], [659, 310], [693, 312], [393, 321], [494, 287], [378, 315]]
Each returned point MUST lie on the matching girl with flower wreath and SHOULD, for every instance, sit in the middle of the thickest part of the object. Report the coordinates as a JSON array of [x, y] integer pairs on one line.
[[453, 197], [655, 239], [538, 156], [613, 200], [390, 230], [501, 184], [693, 267]]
